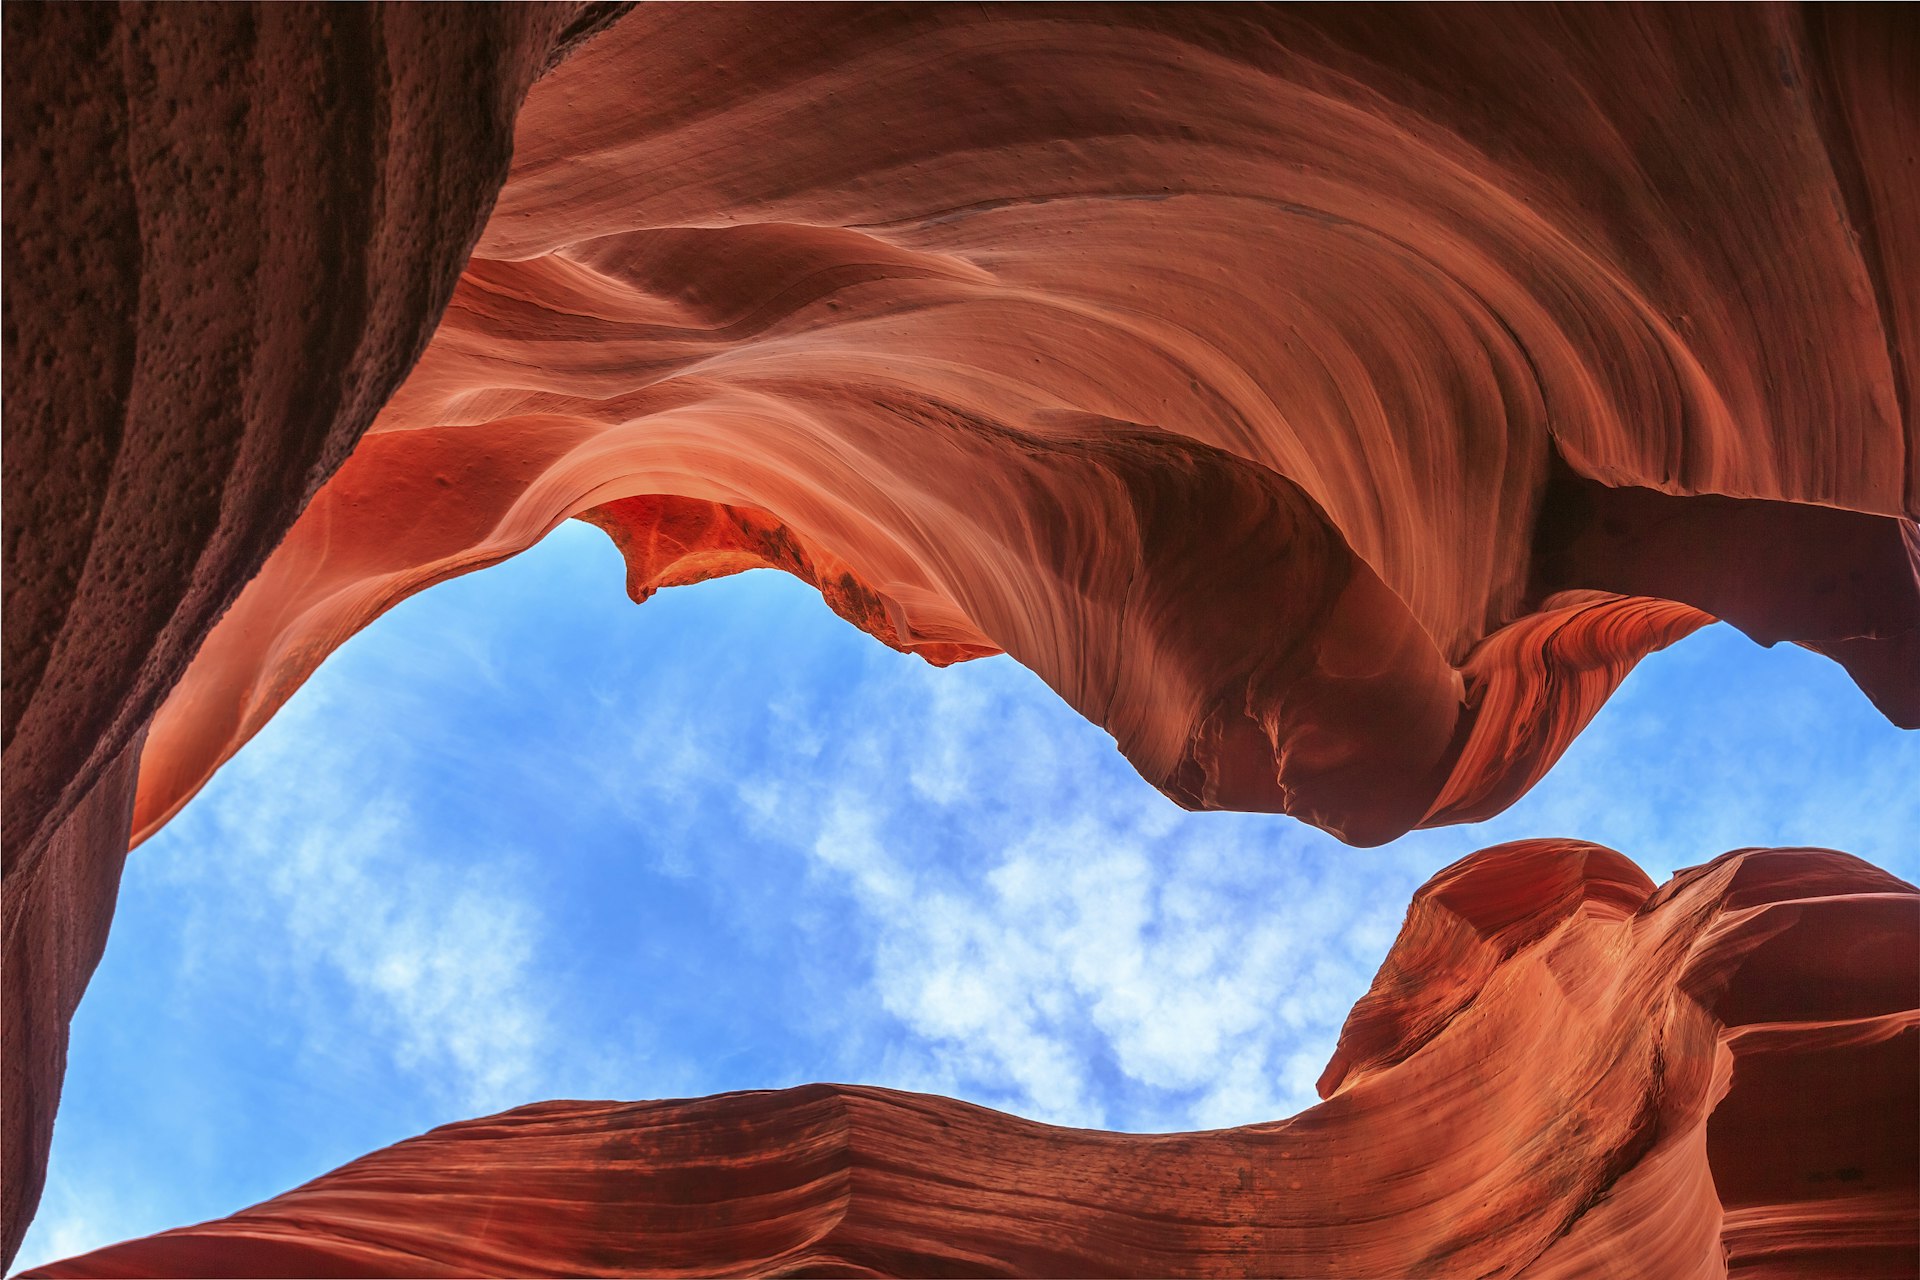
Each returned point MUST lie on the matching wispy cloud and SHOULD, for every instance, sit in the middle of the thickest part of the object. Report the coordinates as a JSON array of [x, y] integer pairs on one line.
[[1049, 935], [522, 840], [378, 943]]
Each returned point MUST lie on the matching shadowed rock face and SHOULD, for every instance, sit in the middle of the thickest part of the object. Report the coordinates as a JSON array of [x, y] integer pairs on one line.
[[1333, 404], [1559, 1071], [229, 231]]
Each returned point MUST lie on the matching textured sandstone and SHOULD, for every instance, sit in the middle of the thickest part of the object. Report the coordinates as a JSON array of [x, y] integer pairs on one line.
[[1332, 403], [1559, 1072], [229, 231], [1268, 382]]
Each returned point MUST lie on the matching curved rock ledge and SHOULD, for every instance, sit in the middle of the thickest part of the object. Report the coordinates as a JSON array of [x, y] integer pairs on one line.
[[1261, 379], [1560, 1071]]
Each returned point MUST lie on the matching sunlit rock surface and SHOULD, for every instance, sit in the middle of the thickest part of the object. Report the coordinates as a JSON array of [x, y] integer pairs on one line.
[[1332, 403], [1559, 1071], [1276, 385]]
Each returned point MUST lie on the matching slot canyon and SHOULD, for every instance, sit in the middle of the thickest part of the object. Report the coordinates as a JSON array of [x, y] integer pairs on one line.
[[1332, 404]]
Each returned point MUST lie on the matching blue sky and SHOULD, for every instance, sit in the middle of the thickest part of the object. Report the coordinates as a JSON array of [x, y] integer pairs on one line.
[[523, 840]]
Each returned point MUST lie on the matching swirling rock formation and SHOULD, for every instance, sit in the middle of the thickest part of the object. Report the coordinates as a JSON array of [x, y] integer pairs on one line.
[[1332, 403], [1559, 1071], [1268, 382]]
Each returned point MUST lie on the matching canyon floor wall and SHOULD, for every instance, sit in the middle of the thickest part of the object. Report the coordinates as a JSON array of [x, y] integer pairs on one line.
[[1559, 1071]]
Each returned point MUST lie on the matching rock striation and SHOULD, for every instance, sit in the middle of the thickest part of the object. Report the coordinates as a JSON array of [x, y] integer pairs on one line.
[[1332, 403], [1286, 388], [1560, 1071]]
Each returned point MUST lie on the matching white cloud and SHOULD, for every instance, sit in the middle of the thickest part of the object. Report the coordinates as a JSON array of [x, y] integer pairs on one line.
[[1048, 935], [936, 880], [343, 888]]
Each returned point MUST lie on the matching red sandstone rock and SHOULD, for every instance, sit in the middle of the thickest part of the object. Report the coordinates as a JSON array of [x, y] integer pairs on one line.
[[229, 231], [1332, 403], [1262, 380], [1559, 1071]]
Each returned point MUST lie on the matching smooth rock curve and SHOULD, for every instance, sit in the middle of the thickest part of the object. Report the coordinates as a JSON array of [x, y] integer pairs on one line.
[[1263, 379], [1560, 1071]]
